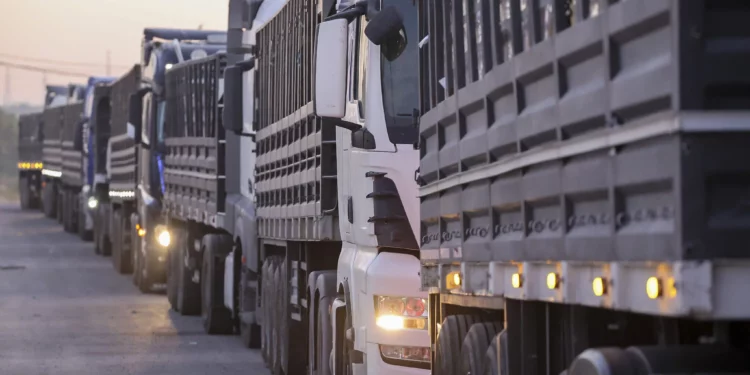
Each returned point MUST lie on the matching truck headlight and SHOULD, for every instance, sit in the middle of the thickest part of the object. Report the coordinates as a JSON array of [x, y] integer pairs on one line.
[[92, 202], [396, 313], [163, 237]]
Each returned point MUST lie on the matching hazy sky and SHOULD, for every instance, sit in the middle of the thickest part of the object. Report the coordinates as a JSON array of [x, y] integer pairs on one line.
[[82, 31]]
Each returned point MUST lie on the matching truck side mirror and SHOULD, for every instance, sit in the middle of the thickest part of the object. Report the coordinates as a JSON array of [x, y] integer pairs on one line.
[[232, 120], [135, 108], [386, 29], [330, 69], [78, 140]]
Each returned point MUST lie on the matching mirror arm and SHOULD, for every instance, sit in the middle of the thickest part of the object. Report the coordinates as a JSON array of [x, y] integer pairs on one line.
[[356, 10], [142, 92], [344, 124], [246, 65]]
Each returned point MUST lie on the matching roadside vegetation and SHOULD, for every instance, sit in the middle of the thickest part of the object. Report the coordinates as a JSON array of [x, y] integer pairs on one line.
[[8, 156]]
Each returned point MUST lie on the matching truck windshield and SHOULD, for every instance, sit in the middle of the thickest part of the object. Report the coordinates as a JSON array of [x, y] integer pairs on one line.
[[400, 79], [160, 121]]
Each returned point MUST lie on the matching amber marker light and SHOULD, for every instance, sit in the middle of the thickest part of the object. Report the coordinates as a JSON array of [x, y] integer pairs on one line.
[[599, 287], [516, 280], [653, 287], [453, 280], [553, 281]]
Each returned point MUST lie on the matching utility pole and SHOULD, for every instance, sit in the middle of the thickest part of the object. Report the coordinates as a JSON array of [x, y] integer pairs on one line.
[[109, 63]]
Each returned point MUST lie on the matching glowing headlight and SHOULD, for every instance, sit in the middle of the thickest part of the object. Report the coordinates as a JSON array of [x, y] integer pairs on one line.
[[92, 203], [395, 313], [163, 237]]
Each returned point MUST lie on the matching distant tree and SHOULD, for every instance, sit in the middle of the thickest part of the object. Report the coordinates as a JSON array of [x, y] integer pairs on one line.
[[8, 144]]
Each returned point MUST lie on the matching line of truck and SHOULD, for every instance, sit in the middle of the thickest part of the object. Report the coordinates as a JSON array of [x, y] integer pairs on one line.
[[417, 186]]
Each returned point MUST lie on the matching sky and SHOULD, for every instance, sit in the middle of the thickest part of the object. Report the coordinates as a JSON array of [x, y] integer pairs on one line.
[[82, 31]]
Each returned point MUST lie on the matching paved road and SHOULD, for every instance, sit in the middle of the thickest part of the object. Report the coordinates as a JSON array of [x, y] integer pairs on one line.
[[64, 310]]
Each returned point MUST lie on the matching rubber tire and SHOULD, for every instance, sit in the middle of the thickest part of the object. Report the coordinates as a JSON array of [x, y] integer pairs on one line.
[[136, 258], [278, 315], [493, 366], [270, 315], [23, 192], [106, 242], [250, 333], [475, 346], [83, 234], [97, 231], [324, 340], [265, 301], [188, 292], [121, 261], [217, 319], [60, 212], [172, 264], [73, 213], [116, 244], [448, 350], [67, 225], [145, 282], [48, 201]]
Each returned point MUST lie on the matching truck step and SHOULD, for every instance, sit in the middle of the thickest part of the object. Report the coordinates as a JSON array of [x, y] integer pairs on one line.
[[383, 194], [375, 174], [386, 218]]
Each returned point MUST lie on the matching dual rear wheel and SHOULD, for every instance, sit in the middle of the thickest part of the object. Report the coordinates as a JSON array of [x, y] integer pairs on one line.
[[468, 345]]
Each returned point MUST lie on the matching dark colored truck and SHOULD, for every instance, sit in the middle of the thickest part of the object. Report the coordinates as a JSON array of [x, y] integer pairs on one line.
[[162, 50], [71, 179], [30, 162], [585, 179], [112, 139], [98, 202], [194, 173], [52, 124]]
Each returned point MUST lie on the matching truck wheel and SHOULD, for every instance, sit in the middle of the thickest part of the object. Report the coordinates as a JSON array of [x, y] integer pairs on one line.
[[144, 280], [278, 313], [492, 364], [83, 234], [475, 346], [73, 207], [249, 332], [217, 319], [60, 200], [135, 256], [188, 292], [120, 258], [451, 336], [265, 325], [172, 274], [324, 339], [23, 192], [65, 212]]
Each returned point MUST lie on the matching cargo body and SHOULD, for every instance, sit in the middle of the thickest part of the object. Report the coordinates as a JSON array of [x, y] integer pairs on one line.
[[120, 166], [588, 159], [71, 180], [52, 120]]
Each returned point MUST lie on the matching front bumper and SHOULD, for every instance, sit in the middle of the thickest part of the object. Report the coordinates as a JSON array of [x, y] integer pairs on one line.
[[376, 365]]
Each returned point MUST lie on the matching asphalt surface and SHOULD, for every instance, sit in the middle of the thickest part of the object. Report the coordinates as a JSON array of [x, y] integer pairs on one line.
[[64, 310]]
